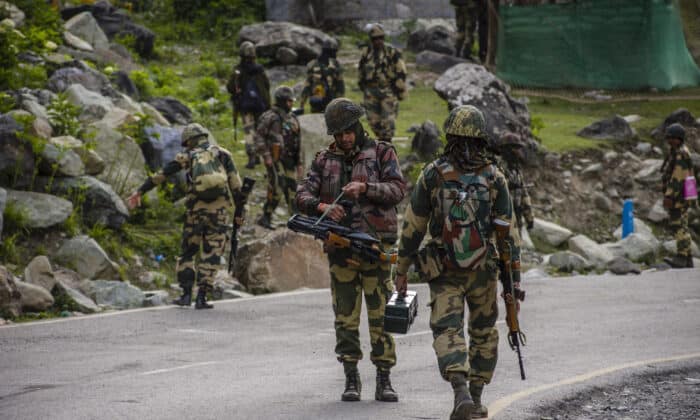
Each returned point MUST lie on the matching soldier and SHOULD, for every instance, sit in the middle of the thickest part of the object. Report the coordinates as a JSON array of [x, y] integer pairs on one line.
[[278, 141], [324, 79], [511, 149], [676, 167], [250, 96], [367, 172], [467, 13], [212, 181], [383, 81], [459, 198]]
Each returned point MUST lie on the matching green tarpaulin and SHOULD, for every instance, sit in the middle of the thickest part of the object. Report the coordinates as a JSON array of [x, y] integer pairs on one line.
[[609, 44]]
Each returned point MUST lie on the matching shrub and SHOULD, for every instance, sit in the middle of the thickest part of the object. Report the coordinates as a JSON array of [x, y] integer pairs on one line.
[[207, 87], [63, 116], [143, 82]]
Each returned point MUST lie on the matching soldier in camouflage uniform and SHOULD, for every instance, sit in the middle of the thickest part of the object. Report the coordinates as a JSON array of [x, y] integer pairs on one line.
[[676, 167], [457, 199], [511, 149], [383, 80], [278, 141], [324, 79], [212, 181], [367, 172], [250, 96], [467, 14]]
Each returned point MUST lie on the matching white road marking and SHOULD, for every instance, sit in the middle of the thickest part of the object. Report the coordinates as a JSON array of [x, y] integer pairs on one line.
[[193, 331], [156, 372]]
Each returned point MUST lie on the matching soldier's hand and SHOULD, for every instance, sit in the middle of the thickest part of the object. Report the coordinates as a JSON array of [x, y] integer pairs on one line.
[[401, 284], [354, 189], [134, 200], [336, 213], [268, 161]]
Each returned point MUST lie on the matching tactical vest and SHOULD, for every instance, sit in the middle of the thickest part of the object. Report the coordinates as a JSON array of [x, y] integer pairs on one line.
[[207, 175]]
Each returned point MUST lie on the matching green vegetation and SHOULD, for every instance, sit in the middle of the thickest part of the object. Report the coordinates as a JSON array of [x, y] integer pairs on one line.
[[63, 116]]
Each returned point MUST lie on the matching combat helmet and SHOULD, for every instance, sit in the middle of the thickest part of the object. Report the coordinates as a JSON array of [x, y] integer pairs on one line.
[[675, 131], [376, 31], [341, 114], [192, 131], [247, 49], [466, 121], [283, 94]]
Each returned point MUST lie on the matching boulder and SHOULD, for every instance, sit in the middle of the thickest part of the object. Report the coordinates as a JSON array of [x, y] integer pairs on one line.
[[116, 118], [34, 298], [615, 128], [636, 247], [3, 203], [152, 112], [435, 38], [426, 142], [622, 266], [286, 56], [156, 298], [314, 135], [162, 145], [10, 296], [437, 62], [13, 13], [60, 162], [173, 110], [78, 72], [268, 37], [93, 105], [595, 253], [602, 202], [681, 116], [658, 213], [264, 264], [39, 273], [85, 27], [125, 166], [77, 42], [35, 108], [16, 156], [66, 142], [86, 256], [114, 294], [40, 210], [551, 233], [124, 84], [567, 261], [73, 300], [67, 277], [94, 164], [650, 174], [526, 241], [639, 227]]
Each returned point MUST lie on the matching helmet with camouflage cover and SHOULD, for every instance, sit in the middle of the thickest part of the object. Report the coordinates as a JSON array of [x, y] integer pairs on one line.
[[247, 49], [675, 131], [466, 121], [341, 114], [283, 94], [376, 31], [192, 131]]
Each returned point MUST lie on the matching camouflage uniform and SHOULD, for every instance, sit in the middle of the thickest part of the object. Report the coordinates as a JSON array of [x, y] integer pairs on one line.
[[522, 204], [467, 13], [374, 212], [206, 222], [278, 137], [677, 166], [382, 79], [324, 82]]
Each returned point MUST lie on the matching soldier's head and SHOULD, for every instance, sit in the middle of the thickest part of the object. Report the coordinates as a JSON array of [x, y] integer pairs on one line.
[[247, 51], [465, 129], [329, 48], [511, 147], [284, 97], [675, 134], [376, 36], [343, 122], [192, 134]]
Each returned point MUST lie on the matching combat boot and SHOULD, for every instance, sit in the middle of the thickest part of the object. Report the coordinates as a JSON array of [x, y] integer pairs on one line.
[[480, 411], [353, 385], [464, 406], [266, 221], [253, 160], [201, 302], [185, 299], [680, 261], [384, 390]]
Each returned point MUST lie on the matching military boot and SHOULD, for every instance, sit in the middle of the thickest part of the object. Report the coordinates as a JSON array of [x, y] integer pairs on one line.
[[384, 390], [464, 406], [185, 299], [680, 261], [353, 385], [201, 302], [480, 411], [252, 161], [266, 221]]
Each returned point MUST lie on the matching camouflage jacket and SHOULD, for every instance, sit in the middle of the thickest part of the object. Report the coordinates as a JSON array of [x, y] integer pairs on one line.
[[323, 80], [677, 166], [372, 162], [278, 135], [383, 70], [240, 76], [522, 203], [182, 162], [429, 205]]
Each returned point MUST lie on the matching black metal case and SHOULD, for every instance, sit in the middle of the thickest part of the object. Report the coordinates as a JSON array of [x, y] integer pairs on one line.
[[400, 312]]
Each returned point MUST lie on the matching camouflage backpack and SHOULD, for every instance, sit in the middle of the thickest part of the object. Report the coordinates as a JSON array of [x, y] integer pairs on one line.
[[466, 207], [207, 173]]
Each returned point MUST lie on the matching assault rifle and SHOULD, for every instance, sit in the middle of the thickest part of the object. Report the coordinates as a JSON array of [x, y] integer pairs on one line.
[[511, 295], [240, 198], [338, 236]]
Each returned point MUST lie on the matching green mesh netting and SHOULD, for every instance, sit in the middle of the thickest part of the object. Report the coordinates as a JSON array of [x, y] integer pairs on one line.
[[609, 44]]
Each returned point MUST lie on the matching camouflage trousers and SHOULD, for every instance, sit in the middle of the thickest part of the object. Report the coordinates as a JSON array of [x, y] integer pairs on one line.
[[466, 18], [249, 121], [448, 293], [348, 284], [678, 224], [382, 108], [204, 238], [280, 179]]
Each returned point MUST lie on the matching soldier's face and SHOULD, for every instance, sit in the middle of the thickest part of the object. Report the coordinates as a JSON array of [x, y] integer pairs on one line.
[[674, 142], [345, 140]]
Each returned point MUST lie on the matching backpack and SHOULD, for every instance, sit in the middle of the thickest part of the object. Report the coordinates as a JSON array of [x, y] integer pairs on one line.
[[251, 100], [207, 173], [466, 206]]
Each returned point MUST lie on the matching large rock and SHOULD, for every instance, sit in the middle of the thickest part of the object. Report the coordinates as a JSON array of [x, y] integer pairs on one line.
[[657, 213], [114, 294], [268, 37], [86, 256], [60, 162], [35, 108], [636, 247], [550, 233], [77, 42], [100, 204], [16, 156], [650, 174], [93, 105], [125, 166], [567, 261], [437, 62], [81, 74], [152, 112], [84, 26], [39, 273], [10, 297], [314, 135], [595, 253], [622, 266], [116, 118], [473, 84], [3, 203], [173, 110], [265, 264], [72, 299], [615, 128], [162, 146], [34, 298], [40, 210], [639, 227], [435, 38], [426, 142]]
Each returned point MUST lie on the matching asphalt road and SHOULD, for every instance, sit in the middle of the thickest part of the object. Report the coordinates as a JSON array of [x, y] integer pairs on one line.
[[272, 356]]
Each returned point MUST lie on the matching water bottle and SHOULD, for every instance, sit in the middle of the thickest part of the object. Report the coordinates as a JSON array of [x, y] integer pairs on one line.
[[627, 218]]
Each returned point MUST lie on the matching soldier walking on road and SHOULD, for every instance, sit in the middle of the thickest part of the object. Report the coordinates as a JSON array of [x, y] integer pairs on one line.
[[212, 181], [250, 95], [324, 79], [383, 80], [676, 167], [511, 149], [367, 172], [459, 198], [278, 141]]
